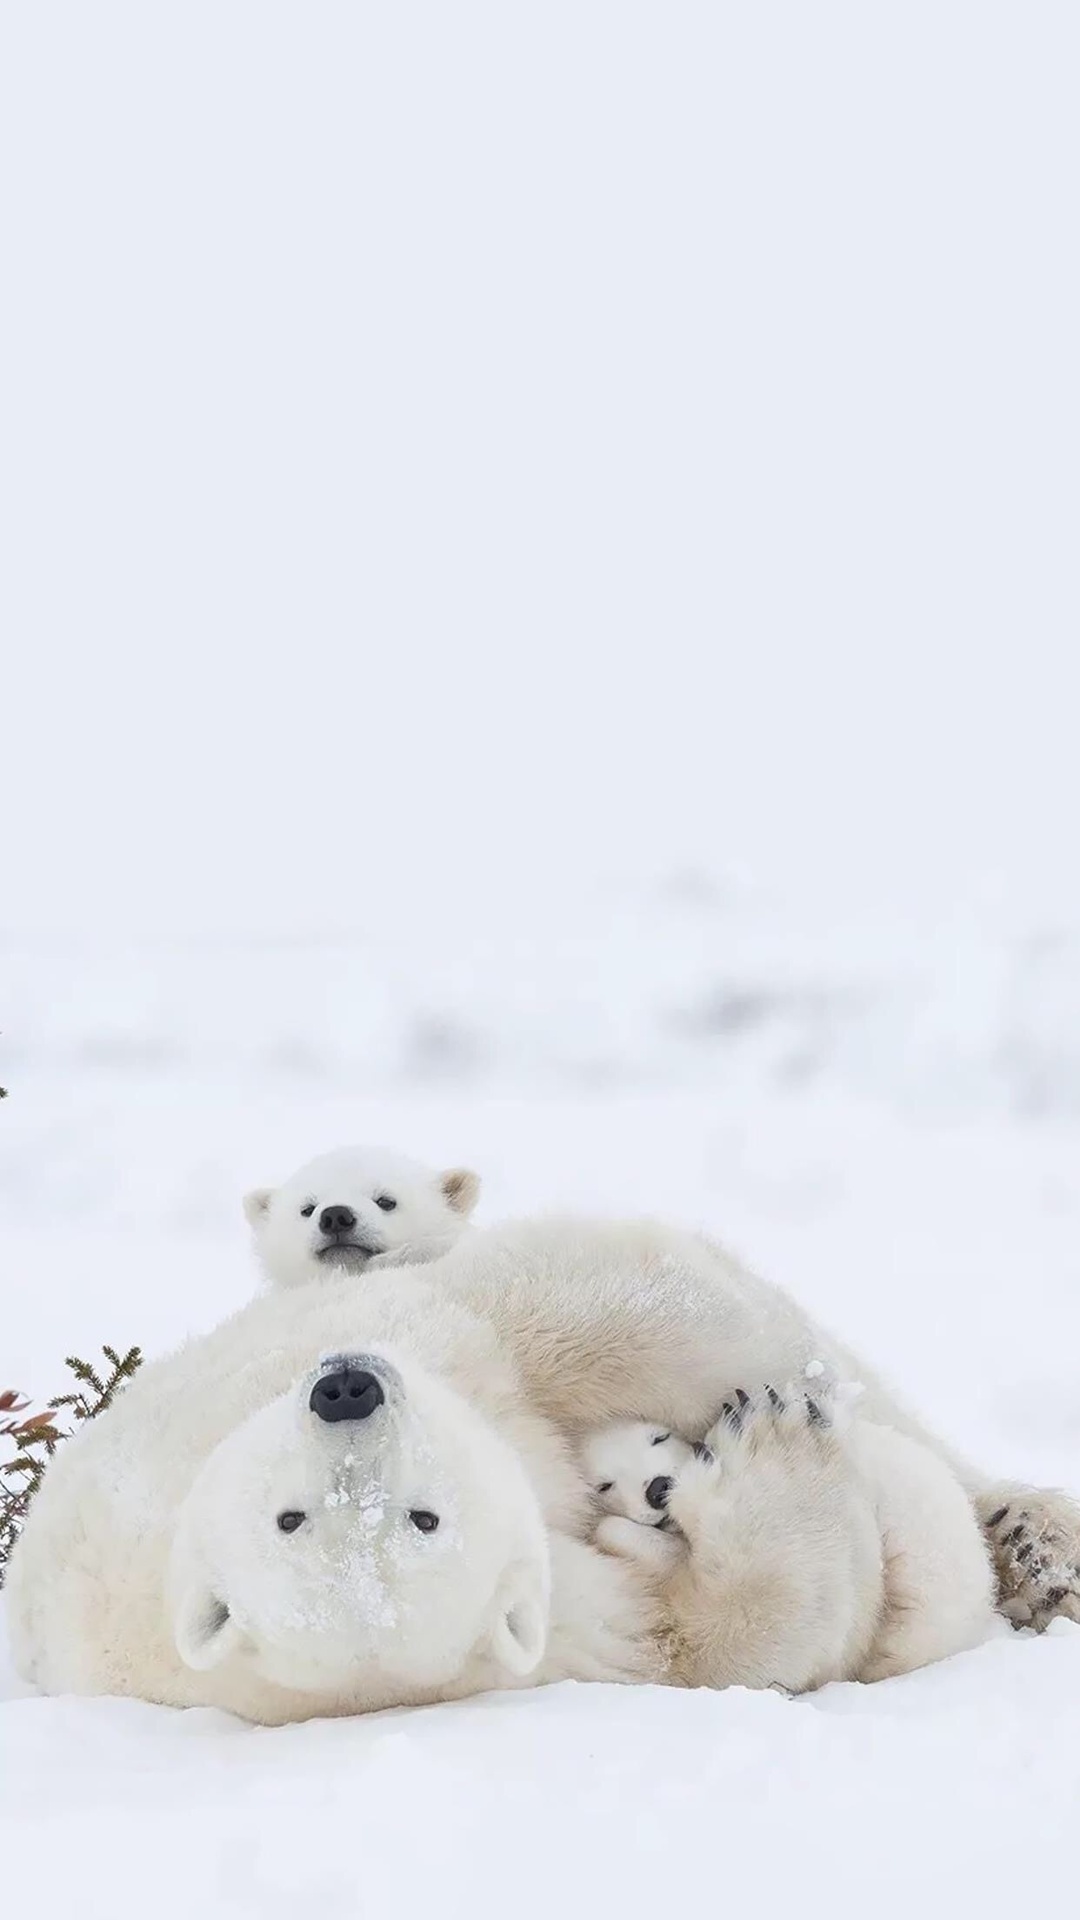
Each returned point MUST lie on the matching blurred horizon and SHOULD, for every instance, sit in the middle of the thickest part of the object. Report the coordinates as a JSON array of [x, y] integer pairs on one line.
[[683, 984]]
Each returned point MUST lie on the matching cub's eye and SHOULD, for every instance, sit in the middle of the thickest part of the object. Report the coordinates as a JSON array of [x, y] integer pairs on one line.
[[288, 1522], [308, 1210], [424, 1521], [386, 1201], [659, 1438], [606, 1487]]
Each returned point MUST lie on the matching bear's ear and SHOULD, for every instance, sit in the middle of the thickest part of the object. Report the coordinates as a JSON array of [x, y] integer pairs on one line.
[[460, 1189], [519, 1635], [256, 1203], [204, 1629]]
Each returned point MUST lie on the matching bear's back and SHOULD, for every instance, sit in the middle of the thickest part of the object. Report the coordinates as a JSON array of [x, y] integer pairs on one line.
[[611, 1320]]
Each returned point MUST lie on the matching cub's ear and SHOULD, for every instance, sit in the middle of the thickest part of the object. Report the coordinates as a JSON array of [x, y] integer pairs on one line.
[[520, 1628], [203, 1629], [460, 1189], [256, 1203]]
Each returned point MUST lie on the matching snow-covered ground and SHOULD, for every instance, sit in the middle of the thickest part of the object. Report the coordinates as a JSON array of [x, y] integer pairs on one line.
[[951, 1791], [947, 1247]]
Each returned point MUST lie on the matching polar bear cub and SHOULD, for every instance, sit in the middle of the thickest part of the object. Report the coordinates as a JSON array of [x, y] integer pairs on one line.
[[355, 1209], [797, 1544]]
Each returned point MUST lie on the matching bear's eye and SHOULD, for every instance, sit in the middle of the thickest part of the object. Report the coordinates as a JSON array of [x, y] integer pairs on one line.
[[308, 1210], [659, 1438], [386, 1201], [424, 1521], [288, 1522], [606, 1486]]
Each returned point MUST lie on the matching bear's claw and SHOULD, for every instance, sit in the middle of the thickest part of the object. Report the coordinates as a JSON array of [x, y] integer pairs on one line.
[[1035, 1542], [746, 1414]]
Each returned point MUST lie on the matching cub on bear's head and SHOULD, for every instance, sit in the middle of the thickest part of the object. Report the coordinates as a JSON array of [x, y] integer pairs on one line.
[[356, 1208], [366, 1539]]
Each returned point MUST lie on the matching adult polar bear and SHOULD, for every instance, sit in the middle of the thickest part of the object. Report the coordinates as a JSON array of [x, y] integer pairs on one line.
[[223, 1538]]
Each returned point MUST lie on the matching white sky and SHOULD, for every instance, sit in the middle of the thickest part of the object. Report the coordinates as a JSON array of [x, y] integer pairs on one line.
[[447, 443]]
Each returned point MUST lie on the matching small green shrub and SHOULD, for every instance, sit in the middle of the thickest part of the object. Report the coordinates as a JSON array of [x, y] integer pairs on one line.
[[34, 1437]]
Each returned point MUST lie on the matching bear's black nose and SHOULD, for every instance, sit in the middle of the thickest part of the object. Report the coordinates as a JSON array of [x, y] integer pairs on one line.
[[346, 1395], [656, 1493], [337, 1219]]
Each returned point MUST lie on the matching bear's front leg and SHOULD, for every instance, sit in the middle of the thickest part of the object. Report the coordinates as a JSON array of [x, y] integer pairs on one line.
[[782, 1585], [1034, 1536]]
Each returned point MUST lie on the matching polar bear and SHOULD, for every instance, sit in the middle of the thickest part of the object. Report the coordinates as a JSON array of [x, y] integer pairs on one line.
[[355, 1210], [795, 1540], [152, 1559], [382, 1543], [284, 1520]]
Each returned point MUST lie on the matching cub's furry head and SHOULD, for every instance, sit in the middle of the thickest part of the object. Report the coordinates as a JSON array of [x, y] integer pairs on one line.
[[354, 1208], [632, 1466]]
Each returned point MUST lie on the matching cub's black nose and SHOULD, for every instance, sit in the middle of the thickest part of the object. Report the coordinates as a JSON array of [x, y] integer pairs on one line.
[[346, 1395], [656, 1493], [337, 1219]]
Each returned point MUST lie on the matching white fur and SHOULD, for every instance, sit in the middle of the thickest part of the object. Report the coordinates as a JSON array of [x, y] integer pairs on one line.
[[429, 1212], [543, 1330], [803, 1550], [623, 1460], [357, 1583], [939, 1582], [153, 1564]]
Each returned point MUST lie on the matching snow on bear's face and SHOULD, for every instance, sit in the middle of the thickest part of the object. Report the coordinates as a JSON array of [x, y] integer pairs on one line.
[[632, 1467], [358, 1206], [367, 1538]]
